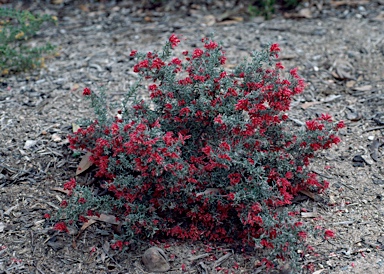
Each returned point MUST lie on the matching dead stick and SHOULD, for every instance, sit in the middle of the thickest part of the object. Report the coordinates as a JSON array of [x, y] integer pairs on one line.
[[222, 259]]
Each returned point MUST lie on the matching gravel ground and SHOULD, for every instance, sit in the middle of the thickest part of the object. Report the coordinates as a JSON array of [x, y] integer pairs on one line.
[[338, 47]]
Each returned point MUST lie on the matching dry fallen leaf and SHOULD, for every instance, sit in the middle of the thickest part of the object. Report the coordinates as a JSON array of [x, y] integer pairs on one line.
[[110, 219], [75, 87], [309, 194], [374, 148], [75, 127], [309, 104], [209, 20], [8, 211], [56, 137], [84, 164], [363, 88], [29, 143], [379, 17], [155, 260], [352, 3], [57, 2], [105, 250], [208, 191], [343, 70], [87, 224], [350, 83], [309, 214], [60, 189], [303, 13]]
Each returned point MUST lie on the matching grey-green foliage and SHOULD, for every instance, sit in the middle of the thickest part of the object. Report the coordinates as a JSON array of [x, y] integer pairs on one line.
[[16, 28]]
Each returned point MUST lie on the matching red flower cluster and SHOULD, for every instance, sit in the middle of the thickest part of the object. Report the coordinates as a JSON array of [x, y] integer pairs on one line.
[[61, 226], [86, 91]]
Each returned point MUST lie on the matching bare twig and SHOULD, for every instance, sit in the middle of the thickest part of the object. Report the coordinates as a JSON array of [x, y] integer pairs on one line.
[[222, 259]]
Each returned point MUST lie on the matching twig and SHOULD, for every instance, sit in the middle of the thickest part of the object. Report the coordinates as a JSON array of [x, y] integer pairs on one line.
[[343, 223], [222, 259], [199, 257], [300, 123], [373, 128]]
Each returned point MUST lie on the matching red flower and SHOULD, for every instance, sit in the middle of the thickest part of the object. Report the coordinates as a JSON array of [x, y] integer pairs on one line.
[[279, 66], [70, 185], [133, 53], [274, 47], [302, 235], [82, 219], [82, 200], [47, 216], [222, 59], [207, 150], [176, 61], [225, 146], [61, 226], [174, 40], [314, 125], [231, 196], [64, 203], [184, 111], [197, 53], [86, 91], [242, 104], [297, 224], [293, 73], [152, 87], [266, 244], [225, 156], [329, 234], [140, 65], [211, 45], [326, 117], [157, 63], [340, 125], [117, 245], [289, 175], [234, 178]]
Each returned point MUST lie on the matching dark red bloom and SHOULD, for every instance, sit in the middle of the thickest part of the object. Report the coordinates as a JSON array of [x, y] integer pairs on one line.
[[61, 226], [274, 48], [174, 40], [340, 125], [211, 45], [329, 234], [86, 91], [64, 203], [197, 53], [70, 185]]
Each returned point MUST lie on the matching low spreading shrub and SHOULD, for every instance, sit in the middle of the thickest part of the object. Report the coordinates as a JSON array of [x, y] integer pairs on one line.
[[211, 155]]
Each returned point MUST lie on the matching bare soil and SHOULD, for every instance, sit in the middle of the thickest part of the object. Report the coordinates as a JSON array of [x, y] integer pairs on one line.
[[338, 47]]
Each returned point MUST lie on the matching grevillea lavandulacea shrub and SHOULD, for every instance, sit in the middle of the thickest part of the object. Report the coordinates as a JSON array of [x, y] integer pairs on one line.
[[210, 156]]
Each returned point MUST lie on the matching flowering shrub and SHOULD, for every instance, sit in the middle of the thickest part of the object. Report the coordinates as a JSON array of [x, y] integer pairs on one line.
[[211, 155]]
